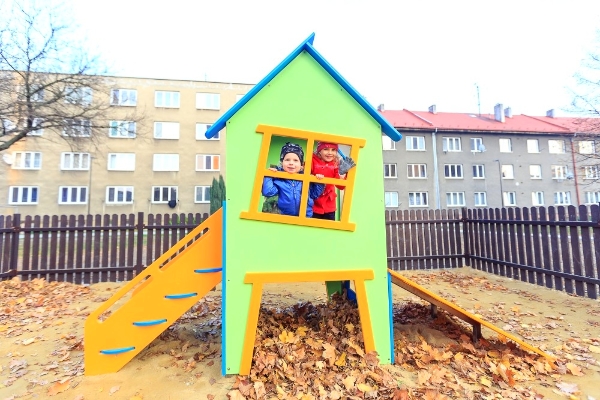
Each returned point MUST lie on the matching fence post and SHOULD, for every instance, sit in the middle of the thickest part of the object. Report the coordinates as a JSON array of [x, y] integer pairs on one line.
[[140, 243], [465, 229], [13, 264]]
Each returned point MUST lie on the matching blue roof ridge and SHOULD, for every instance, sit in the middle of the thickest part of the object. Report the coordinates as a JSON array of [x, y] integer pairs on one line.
[[386, 127]]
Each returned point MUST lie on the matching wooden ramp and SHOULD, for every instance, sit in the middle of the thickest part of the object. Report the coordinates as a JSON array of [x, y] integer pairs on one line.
[[154, 299], [475, 321]]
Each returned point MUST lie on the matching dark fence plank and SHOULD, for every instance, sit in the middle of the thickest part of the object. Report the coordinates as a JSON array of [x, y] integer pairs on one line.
[[586, 250], [575, 250], [545, 234], [564, 248], [556, 256]]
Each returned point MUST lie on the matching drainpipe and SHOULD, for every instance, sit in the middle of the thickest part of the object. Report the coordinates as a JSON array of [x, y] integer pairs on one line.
[[436, 178], [575, 173]]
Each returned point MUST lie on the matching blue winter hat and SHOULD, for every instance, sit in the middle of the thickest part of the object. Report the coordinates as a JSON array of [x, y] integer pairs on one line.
[[292, 148]]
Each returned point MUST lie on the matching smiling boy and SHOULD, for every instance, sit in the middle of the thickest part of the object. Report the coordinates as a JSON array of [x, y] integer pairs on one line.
[[290, 190]]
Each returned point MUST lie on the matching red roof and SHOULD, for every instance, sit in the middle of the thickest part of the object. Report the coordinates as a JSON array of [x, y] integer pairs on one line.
[[406, 119]]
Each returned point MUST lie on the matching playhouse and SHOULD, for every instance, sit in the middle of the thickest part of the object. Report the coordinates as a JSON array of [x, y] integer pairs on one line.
[[304, 100]]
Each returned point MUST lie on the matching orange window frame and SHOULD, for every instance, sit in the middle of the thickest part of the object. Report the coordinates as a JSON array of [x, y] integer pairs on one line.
[[268, 131]]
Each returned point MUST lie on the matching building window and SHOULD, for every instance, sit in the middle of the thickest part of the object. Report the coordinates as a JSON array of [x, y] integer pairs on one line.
[[391, 199], [477, 145], [121, 129], [207, 162], [559, 171], [165, 162], [535, 171], [417, 199], [556, 146], [208, 101], [201, 130], [72, 194], [121, 161], [480, 199], [505, 145], [388, 143], [562, 198], [509, 199], [23, 195], [78, 95], [166, 130], [163, 194], [451, 144], [389, 171], [592, 197], [27, 160], [413, 143], [478, 171], [417, 171], [75, 161], [119, 195], [453, 171], [37, 128], [508, 171], [77, 128], [202, 194], [592, 172], [166, 99], [533, 146], [587, 147], [537, 198], [455, 199], [123, 97], [36, 93], [7, 126]]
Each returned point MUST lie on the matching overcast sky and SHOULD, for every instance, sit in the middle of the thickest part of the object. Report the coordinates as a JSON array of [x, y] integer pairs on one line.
[[404, 54]]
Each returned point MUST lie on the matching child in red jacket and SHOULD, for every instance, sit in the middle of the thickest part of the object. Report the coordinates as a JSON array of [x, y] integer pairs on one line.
[[326, 164]]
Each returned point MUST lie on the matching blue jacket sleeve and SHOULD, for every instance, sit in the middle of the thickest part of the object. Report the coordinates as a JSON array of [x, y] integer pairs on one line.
[[315, 190], [268, 188]]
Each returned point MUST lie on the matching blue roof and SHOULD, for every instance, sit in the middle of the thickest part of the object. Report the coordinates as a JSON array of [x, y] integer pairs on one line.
[[307, 46]]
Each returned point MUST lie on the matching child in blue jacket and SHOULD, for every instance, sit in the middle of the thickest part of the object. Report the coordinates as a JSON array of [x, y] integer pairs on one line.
[[290, 190]]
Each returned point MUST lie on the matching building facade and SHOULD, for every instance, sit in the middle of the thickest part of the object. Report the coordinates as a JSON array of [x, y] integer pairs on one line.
[[448, 160], [160, 162]]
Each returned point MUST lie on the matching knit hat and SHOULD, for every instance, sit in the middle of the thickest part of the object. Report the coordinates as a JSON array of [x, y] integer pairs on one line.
[[292, 148], [326, 145]]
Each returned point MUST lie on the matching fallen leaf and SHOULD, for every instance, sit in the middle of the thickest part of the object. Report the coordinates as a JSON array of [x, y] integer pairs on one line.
[[364, 387], [595, 349], [114, 390], [574, 369], [485, 382], [58, 387], [28, 341]]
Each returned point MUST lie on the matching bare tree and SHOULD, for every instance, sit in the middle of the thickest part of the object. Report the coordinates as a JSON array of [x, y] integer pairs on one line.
[[48, 80], [585, 105]]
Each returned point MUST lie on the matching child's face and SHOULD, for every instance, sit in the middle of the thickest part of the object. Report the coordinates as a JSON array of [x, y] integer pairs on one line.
[[291, 163], [328, 154]]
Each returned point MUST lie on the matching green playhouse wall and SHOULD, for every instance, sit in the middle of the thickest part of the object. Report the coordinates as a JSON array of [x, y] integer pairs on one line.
[[302, 96]]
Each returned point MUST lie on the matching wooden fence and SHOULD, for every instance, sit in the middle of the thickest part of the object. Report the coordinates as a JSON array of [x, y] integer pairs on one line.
[[88, 248], [555, 247]]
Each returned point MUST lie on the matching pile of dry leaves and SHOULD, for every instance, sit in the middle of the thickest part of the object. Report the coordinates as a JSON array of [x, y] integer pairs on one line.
[[315, 352]]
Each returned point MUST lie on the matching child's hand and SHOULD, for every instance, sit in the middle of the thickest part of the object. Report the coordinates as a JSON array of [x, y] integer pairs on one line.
[[320, 176], [272, 169], [345, 165]]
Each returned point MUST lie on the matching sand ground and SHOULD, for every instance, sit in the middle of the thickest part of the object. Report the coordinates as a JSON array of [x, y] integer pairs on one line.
[[41, 337]]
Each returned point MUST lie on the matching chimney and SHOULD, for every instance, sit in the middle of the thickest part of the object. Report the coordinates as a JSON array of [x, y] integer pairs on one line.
[[498, 114], [380, 108], [432, 109], [508, 112], [550, 113]]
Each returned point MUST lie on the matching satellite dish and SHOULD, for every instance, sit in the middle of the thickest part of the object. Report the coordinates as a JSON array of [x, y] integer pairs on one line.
[[7, 158], [172, 203], [481, 148]]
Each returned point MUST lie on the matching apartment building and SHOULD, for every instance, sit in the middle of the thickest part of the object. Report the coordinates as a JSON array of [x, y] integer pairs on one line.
[[157, 162], [450, 160]]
